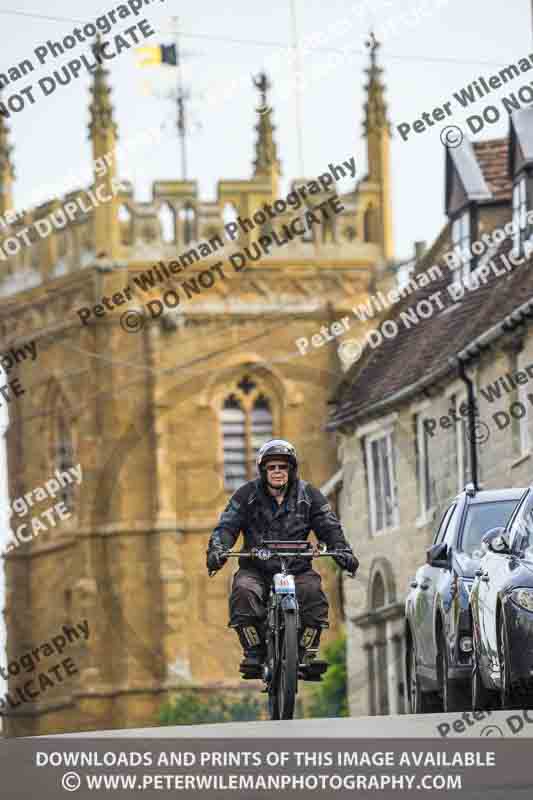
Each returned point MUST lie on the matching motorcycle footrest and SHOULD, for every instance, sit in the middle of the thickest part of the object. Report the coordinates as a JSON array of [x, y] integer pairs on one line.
[[251, 673], [314, 670]]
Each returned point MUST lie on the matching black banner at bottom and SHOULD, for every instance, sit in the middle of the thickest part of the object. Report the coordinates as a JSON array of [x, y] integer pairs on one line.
[[258, 768]]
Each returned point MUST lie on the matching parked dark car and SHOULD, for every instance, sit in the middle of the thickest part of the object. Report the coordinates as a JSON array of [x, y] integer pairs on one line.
[[502, 614], [438, 623]]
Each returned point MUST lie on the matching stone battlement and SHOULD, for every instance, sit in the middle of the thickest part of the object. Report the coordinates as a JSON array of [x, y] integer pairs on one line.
[[57, 237]]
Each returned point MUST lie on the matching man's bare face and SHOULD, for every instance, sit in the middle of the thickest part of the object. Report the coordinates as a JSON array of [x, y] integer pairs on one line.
[[277, 472]]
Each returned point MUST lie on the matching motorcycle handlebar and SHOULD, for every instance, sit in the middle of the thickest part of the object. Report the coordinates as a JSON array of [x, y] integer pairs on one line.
[[255, 553], [268, 554]]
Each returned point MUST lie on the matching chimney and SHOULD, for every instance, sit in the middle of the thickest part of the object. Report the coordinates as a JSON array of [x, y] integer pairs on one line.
[[420, 249]]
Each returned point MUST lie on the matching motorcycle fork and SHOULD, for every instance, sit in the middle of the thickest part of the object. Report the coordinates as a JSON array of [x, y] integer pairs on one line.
[[272, 637], [275, 612]]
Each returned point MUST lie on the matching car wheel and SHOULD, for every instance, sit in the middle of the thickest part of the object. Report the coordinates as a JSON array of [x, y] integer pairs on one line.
[[507, 696], [420, 702], [482, 698], [455, 696]]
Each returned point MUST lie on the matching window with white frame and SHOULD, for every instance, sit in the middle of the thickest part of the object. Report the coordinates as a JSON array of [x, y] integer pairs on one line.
[[461, 241], [464, 465], [426, 488], [521, 228], [380, 459]]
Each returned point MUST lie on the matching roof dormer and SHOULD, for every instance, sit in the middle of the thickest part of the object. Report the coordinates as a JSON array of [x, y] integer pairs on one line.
[[520, 164]]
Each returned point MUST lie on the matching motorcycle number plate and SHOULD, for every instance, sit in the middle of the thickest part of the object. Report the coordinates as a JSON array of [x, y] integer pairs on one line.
[[284, 584]]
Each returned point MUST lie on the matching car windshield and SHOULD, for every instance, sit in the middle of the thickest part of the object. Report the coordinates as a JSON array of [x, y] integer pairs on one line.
[[481, 517]]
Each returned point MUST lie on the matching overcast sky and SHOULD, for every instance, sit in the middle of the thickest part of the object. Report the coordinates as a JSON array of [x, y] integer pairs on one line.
[[423, 64]]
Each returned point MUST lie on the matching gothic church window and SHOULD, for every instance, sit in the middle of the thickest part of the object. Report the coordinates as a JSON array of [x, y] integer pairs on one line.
[[246, 420], [369, 225], [64, 459], [233, 420]]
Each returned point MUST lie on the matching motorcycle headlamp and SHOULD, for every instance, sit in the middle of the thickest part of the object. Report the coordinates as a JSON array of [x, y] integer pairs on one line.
[[523, 598]]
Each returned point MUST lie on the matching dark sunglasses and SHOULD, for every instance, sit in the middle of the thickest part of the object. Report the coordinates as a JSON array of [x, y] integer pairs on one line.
[[277, 467]]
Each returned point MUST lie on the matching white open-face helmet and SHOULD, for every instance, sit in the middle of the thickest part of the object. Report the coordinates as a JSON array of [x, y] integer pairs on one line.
[[273, 448]]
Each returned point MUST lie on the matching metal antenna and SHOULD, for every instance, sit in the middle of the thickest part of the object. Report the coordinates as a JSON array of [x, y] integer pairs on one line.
[[181, 122]]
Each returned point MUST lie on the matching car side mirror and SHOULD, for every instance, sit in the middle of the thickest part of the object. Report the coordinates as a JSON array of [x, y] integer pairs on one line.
[[495, 541], [437, 556]]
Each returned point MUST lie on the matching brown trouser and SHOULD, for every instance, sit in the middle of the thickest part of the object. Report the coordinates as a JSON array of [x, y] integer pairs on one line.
[[249, 596]]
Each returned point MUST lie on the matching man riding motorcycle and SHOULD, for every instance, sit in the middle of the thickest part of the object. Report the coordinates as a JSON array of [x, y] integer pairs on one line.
[[276, 506]]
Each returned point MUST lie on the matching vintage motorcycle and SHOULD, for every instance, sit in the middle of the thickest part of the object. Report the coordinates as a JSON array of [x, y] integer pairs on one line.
[[283, 666]]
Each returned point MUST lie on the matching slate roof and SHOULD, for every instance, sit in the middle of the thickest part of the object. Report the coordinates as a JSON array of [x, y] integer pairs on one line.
[[424, 350], [421, 354]]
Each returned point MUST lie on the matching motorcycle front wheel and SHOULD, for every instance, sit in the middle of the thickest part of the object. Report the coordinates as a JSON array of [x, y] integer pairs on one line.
[[287, 682]]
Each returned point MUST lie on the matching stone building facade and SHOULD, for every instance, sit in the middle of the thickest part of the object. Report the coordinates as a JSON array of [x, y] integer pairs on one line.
[[4, 508], [164, 419], [404, 439]]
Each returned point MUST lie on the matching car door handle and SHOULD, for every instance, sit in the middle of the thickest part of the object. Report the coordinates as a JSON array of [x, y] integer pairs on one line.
[[478, 573], [413, 584], [485, 577], [425, 586]]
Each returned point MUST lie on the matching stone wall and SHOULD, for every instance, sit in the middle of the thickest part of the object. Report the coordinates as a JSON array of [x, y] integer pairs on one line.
[[142, 410], [397, 553]]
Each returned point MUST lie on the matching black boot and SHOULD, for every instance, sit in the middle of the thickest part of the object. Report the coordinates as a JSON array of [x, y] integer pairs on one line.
[[253, 645], [311, 668], [309, 644]]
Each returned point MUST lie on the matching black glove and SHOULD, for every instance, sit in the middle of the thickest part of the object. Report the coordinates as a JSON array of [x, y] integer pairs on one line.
[[347, 561], [216, 558]]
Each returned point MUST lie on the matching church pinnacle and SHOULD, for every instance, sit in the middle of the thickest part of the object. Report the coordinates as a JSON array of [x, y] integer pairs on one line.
[[377, 131], [103, 133], [375, 107], [7, 172], [101, 107], [266, 163]]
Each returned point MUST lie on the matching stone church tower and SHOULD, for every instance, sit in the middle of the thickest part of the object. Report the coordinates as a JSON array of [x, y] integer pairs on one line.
[[164, 416]]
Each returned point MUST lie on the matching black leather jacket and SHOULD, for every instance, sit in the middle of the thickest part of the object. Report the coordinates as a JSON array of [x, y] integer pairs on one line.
[[250, 511]]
